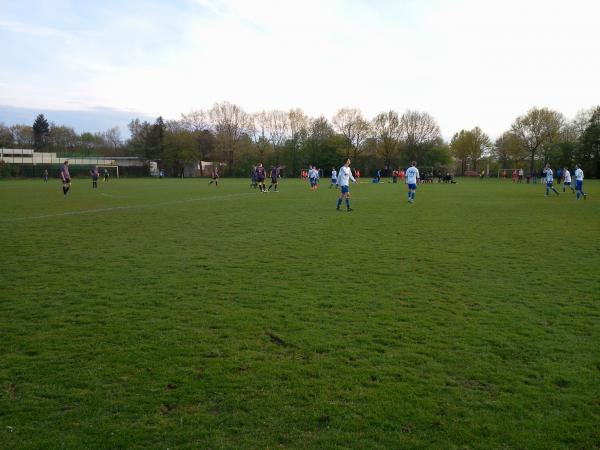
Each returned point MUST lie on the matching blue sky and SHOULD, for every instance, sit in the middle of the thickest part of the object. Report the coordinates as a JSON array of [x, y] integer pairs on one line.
[[466, 62]]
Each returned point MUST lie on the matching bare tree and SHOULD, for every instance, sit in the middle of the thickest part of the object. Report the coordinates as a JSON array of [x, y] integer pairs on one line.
[[230, 123], [259, 130], [417, 128], [387, 132], [113, 139], [279, 127], [537, 129], [344, 122], [298, 122], [22, 135], [197, 120], [350, 123], [362, 132]]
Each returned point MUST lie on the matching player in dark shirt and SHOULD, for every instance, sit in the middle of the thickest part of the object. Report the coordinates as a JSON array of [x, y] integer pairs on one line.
[[215, 176], [274, 178], [94, 173], [260, 177], [65, 177]]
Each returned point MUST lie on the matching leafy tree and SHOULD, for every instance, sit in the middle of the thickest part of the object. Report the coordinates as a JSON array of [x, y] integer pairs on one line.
[[41, 132], [180, 146], [537, 129], [317, 143], [437, 154], [588, 155], [469, 146], [6, 137], [62, 139], [22, 136], [508, 148]]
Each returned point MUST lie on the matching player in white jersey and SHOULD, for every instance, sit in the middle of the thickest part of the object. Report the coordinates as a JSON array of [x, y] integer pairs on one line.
[[333, 178], [344, 177], [579, 183], [412, 177], [549, 180], [313, 175], [567, 180]]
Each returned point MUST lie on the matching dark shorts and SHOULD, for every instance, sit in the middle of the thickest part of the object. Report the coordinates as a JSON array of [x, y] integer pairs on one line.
[[94, 178], [260, 179], [345, 189], [66, 181], [274, 180], [412, 186], [578, 185]]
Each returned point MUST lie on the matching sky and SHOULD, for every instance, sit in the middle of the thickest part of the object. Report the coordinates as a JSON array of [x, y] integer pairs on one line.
[[466, 62]]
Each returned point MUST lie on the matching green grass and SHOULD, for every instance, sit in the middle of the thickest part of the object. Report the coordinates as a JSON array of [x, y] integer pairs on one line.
[[173, 314]]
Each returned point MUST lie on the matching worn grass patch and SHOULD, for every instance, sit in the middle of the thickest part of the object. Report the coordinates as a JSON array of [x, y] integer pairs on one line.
[[173, 314]]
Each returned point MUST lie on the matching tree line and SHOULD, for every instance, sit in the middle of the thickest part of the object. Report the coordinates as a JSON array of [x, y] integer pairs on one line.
[[226, 133]]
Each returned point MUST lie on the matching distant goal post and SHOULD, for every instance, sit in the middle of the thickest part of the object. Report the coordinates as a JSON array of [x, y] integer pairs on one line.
[[113, 170]]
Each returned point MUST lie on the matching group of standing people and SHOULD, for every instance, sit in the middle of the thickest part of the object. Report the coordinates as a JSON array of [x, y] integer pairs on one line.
[[258, 176], [65, 176], [566, 178]]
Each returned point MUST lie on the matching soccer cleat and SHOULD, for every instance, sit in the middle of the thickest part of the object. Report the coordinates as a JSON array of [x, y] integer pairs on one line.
[[585, 196], [350, 210]]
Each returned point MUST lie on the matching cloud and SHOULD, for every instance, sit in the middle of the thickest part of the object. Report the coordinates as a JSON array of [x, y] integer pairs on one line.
[[466, 62], [17, 27]]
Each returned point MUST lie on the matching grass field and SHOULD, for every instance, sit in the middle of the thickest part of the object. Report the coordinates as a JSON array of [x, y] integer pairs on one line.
[[173, 314]]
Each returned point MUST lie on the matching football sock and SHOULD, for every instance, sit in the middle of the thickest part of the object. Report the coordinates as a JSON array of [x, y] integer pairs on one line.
[[348, 203], [339, 203]]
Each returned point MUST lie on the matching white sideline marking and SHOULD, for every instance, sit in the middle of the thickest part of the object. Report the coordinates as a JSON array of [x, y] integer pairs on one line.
[[116, 208]]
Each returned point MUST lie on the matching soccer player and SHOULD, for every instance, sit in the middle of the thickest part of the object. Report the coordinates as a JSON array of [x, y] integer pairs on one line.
[[412, 176], [579, 183], [65, 177], [312, 177], [567, 180], [274, 174], [333, 178], [94, 173], [549, 180], [520, 176], [45, 175], [260, 177], [215, 176], [106, 175], [344, 177]]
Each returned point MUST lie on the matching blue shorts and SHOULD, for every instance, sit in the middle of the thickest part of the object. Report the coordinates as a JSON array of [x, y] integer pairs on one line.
[[549, 184], [578, 185], [345, 189], [567, 183], [412, 187]]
